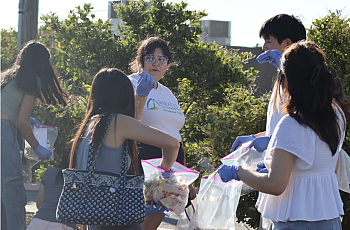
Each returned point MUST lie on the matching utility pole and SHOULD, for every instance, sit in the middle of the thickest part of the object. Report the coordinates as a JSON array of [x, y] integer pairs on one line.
[[27, 30], [27, 21]]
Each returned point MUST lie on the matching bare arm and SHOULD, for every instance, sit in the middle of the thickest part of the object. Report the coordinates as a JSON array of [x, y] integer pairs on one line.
[[337, 165], [275, 182], [130, 128], [140, 103], [23, 120], [39, 199]]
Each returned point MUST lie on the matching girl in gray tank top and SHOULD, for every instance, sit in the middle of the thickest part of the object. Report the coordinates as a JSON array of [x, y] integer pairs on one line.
[[113, 93]]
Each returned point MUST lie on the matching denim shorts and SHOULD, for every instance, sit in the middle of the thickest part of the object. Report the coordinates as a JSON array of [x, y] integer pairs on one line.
[[332, 224], [13, 193]]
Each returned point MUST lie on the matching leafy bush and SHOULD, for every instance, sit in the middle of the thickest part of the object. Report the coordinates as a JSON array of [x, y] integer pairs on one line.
[[9, 49], [240, 114], [66, 119]]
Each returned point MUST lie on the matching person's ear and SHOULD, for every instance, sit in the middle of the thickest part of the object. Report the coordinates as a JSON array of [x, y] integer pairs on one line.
[[288, 42], [138, 61]]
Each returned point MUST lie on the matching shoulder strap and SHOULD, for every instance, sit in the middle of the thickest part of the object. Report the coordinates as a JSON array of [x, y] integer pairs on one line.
[[91, 158]]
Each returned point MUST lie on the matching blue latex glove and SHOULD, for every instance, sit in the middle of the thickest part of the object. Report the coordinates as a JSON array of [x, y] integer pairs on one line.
[[228, 172], [156, 209], [44, 153], [241, 140], [260, 143], [272, 56], [166, 174], [261, 168], [145, 84], [33, 121]]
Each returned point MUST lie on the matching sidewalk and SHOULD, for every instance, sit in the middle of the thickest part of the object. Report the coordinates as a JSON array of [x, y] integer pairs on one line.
[[169, 223]]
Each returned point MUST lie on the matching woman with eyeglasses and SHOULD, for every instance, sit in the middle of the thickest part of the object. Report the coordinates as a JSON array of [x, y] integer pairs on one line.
[[300, 188], [156, 105]]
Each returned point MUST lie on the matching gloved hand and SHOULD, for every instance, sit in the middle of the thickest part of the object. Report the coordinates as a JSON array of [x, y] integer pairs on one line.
[[33, 121], [166, 174], [228, 172], [272, 56], [260, 143], [145, 84], [261, 168], [156, 209], [44, 153], [241, 140]]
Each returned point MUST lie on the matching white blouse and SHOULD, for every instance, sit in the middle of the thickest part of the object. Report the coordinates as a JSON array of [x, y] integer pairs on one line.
[[312, 192]]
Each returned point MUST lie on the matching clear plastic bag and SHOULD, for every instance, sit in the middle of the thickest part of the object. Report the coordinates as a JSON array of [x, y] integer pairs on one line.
[[247, 158], [170, 188], [46, 136], [183, 223], [216, 204]]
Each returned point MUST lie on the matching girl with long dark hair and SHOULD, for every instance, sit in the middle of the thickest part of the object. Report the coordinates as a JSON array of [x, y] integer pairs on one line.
[[300, 189], [31, 77], [113, 93]]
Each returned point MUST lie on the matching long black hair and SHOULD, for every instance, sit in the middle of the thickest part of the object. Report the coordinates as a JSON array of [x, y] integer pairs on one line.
[[34, 74], [64, 163], [111, 92], [308, 85]]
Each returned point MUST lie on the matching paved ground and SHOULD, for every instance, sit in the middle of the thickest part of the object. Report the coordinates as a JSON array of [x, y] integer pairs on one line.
[[169, 223]]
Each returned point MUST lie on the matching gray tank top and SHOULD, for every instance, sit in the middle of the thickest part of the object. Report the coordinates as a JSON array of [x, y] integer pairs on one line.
[[11, 100], [108, 160]]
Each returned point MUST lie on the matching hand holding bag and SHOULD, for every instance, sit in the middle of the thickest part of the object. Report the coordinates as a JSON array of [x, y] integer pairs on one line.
[[101, 198]]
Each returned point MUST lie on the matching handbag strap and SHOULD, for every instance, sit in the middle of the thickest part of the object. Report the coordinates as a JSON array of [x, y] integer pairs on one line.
[[91, 162]]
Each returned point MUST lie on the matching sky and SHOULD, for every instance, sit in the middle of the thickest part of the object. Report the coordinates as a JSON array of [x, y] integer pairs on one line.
[[246, 16]]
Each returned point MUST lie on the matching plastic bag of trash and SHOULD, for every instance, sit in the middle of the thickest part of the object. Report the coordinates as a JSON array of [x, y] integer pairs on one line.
[[168, 187], [245, 156], [217, 203], [46, 136]]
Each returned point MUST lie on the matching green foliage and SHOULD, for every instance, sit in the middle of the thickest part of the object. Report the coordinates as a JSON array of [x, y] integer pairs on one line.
[[66, 119], [240, 114], [87, 45], [332, 33], [9, 49]]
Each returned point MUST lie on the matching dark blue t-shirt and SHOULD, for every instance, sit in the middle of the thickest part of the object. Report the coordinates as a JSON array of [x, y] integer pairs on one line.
[[52, 193]]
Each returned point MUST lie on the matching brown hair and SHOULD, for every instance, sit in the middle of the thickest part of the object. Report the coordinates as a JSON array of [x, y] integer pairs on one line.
[[148, 46]]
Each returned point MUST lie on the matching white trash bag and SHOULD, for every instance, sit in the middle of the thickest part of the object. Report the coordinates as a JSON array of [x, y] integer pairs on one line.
[[217, 203]]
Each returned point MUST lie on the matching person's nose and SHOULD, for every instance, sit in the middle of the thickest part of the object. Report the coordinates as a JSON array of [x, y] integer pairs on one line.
[[265, 47], [156, 62]]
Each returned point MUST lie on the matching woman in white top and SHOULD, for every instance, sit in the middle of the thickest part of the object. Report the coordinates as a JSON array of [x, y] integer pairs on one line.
[[156, 105], [301, 190]]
